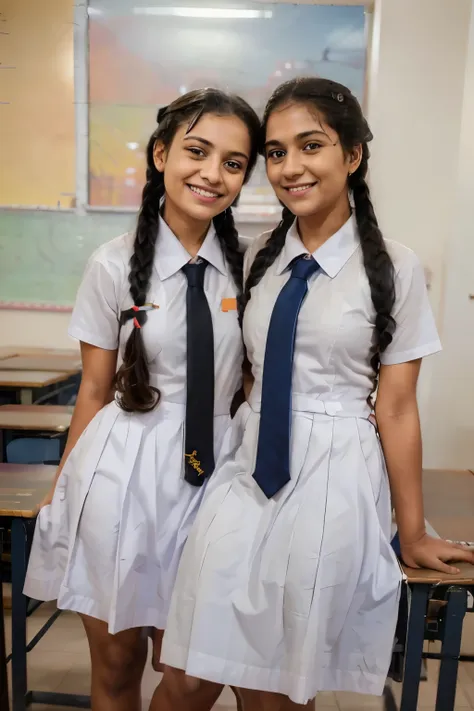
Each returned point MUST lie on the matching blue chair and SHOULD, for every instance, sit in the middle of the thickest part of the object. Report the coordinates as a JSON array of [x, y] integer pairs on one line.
[[34, 450]]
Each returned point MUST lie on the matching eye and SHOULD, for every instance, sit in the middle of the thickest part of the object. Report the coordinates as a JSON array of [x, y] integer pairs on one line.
[[312, 146], [276, 154], [233, 165], [198, 152]]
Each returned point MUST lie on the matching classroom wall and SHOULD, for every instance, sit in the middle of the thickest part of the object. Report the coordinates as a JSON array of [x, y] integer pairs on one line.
[[416, 109]]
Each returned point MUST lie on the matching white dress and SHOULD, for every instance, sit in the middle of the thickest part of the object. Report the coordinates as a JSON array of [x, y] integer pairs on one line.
[[299, 594], [109, 544]]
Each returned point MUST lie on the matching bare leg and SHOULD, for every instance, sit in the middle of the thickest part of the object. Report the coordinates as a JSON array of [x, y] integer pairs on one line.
[[117, 666], [266, 701], [178, 692], [159, 667]]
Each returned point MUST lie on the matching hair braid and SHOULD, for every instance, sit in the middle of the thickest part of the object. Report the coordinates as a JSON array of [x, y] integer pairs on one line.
[[377, 262], [266, 256], [132, 379], [229, 241]]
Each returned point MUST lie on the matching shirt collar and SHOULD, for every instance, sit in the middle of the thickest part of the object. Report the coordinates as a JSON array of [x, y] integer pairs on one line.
[[171, 256], [331, 256]]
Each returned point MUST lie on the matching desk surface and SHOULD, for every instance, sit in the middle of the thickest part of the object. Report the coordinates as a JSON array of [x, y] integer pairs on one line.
[[449, 507], [49, 418], [30, 378], [11, 351], [55, 363], [23, 487]]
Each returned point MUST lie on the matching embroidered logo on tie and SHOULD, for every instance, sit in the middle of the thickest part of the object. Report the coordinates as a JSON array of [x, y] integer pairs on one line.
[[194, 462]]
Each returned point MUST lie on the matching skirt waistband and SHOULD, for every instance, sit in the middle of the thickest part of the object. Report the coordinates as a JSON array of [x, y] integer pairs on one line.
[[332, 408]]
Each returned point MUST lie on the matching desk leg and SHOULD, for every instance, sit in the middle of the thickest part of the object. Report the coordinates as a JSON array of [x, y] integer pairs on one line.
[[4, 703], [19, 603], [414, 646], [451, 647], [26, 396]]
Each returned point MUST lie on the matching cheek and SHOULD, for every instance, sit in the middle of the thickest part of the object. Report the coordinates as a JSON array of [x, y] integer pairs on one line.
[[234, 184], [273, 174]]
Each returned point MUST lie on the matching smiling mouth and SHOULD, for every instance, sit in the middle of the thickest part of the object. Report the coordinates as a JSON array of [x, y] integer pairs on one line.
[[295, 189], [204, 192]]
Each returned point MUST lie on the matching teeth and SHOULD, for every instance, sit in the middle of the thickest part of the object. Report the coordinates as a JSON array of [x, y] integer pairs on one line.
[[299, 188], [204, 193]]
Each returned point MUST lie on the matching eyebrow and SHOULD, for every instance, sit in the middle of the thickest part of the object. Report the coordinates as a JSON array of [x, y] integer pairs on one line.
[[299, 137], [207, 143]]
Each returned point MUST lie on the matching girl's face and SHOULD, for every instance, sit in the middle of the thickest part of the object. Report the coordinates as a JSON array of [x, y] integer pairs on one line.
[[306, 164], [204, 169]]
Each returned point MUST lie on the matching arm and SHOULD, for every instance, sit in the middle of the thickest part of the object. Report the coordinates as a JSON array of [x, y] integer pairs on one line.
[[95, 391], [248, 378], [399, 426]]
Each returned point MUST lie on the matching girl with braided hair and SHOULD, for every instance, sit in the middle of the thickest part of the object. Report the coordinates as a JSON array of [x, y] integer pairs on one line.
[[288, 584], [156, 315]]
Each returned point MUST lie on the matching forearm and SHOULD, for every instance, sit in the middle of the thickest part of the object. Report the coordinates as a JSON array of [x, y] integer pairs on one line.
[[401, 441]]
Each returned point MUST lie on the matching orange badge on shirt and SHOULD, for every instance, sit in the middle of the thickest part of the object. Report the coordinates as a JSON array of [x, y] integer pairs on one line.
[[229, 305]]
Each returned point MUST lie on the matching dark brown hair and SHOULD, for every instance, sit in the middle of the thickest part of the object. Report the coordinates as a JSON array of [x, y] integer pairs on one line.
[[343, 113], [132, 380]]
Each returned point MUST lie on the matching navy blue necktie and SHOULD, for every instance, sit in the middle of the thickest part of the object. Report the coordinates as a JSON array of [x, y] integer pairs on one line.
[[272, 469], [199, 436]]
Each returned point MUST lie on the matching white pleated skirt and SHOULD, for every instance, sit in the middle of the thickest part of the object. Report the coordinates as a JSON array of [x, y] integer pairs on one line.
[[296, 594], [109, 544]]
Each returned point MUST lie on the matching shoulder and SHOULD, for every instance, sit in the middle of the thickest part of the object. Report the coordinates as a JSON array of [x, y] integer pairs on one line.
[[115, 252], [113, 257], [410, 275], [404, 259]]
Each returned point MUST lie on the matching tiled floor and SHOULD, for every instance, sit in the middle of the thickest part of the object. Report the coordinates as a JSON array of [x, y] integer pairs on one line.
[[61, 663]]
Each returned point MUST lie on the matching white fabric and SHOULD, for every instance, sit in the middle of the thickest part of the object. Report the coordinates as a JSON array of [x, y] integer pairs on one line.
[[110, 542], [299, 594]]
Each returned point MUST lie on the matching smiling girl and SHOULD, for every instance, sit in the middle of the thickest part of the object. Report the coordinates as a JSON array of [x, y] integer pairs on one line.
[[288, 584], [162, 353]]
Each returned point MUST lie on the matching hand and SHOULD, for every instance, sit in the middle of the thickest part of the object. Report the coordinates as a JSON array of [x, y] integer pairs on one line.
[[46, 501], [435, 553]]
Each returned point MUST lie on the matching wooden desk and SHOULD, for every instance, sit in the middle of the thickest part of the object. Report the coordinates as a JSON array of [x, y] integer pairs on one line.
[[26, 381], [52, 363], [10, 351], [23, 487], [44, 418], [449, 508]]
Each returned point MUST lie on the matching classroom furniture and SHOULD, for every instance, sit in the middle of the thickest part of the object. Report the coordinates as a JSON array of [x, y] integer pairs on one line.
[[22, 423], [54, 363], [439, 602], [10, 351], [22, 488], [449, 502], [28, 383], [4, 702]]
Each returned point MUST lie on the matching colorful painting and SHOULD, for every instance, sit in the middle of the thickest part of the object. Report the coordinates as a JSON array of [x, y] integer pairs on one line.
[[144, 57]]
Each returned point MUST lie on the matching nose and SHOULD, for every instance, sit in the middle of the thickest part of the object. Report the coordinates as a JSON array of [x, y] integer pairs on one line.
[[211, 170], [292, 165]]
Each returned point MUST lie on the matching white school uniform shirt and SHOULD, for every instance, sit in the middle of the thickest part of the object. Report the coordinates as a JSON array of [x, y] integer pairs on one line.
[[110, 543], [104, 293], [299, 593]]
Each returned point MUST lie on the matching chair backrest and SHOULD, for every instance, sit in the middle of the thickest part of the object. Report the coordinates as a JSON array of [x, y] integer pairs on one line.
[[33, 450]]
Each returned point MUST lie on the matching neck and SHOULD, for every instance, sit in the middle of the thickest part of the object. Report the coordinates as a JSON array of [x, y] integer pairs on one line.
[[191, 233], [316, 229]]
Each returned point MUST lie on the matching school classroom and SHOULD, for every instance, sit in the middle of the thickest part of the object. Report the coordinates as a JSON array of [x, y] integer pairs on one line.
[[80, 84]]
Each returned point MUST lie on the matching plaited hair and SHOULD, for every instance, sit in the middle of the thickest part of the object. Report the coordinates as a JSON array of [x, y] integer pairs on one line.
[[132, 380], [342, 112]]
